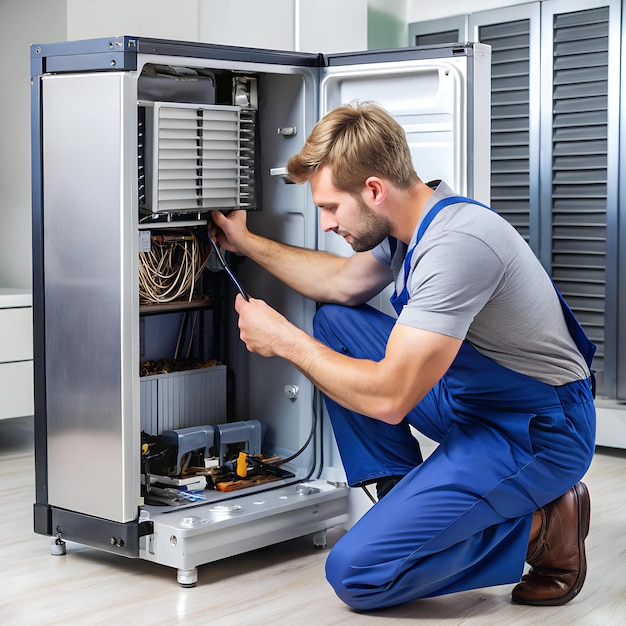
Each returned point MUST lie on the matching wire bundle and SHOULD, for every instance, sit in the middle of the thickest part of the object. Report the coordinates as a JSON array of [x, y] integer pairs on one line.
[[169, 271]]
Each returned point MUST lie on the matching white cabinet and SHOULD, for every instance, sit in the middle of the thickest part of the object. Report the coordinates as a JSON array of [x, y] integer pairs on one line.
[[16, 353]]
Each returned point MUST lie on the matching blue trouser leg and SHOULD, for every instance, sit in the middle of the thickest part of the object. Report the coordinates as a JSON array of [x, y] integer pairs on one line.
[[461, 519], [433, 533], [369, 448], [426, 544]]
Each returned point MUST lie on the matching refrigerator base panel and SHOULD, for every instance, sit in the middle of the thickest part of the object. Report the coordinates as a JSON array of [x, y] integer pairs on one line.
[[190, 537]]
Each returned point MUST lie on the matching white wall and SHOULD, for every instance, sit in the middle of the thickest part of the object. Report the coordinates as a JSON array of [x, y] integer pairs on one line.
[[18, 29], [423, 10], [332, 25], [167, 19], [261, 26], [301, 25]]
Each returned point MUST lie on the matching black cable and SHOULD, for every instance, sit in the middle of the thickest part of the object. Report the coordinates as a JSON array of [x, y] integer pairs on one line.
[[304, 446]]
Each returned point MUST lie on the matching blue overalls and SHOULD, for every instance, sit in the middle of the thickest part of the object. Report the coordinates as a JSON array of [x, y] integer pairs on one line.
[[508, 444]]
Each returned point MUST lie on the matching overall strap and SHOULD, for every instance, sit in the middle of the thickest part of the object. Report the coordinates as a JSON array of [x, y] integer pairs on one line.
[[442, 204], [430, 216]]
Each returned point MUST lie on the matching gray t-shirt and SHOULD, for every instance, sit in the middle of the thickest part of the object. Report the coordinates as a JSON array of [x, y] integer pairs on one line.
[[474, 277]]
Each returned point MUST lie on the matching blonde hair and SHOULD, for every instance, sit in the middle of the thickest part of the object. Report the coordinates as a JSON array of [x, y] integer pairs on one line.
[[356, 141]]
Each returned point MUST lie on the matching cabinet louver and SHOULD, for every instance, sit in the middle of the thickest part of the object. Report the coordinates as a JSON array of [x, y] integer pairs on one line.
[[198, 158], [510, 157], [579, 166]]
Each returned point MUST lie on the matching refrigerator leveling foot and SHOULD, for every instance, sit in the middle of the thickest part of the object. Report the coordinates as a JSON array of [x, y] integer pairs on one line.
[[319, 540], [187, 577], [57, 546]]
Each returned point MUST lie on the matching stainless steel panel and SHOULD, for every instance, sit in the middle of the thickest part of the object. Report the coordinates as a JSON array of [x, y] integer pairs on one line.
[[89, 200]]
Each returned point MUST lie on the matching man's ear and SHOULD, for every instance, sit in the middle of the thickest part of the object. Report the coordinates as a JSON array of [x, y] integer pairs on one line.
[[375, 190]]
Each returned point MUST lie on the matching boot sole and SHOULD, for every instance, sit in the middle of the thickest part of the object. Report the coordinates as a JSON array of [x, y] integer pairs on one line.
[[584, 516]]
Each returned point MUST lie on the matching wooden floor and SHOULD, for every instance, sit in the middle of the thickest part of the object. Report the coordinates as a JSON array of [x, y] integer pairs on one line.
[[276, 586]]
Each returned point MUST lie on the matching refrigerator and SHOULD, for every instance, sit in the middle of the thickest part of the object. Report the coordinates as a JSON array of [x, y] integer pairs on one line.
[[157, 435]]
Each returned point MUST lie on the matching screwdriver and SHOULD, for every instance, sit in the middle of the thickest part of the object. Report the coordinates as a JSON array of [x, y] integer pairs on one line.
[[222, 261]]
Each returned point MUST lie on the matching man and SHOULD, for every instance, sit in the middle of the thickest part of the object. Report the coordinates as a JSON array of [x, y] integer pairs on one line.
[[480, 360]]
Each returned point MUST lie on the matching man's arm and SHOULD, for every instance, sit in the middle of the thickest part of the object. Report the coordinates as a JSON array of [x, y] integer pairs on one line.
[[386, 390], [320, 276]]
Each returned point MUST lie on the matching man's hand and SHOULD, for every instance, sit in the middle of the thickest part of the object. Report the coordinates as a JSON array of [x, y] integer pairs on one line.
[[230, 230], [263, 329]]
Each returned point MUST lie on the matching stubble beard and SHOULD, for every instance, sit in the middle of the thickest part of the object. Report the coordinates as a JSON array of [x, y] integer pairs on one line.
[[374, 229]]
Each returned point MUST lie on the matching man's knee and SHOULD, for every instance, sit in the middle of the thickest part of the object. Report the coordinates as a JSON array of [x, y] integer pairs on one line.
[[326, 320], [355, 584], [343, 577], [346, 328]]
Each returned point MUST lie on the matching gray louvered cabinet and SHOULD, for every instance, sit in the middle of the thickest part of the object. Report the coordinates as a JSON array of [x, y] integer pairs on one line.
[[510, 120], [579, 143], [554, 148]]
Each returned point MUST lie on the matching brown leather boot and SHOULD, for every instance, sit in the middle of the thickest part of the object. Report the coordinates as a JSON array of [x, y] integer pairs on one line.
[[557, 559]]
